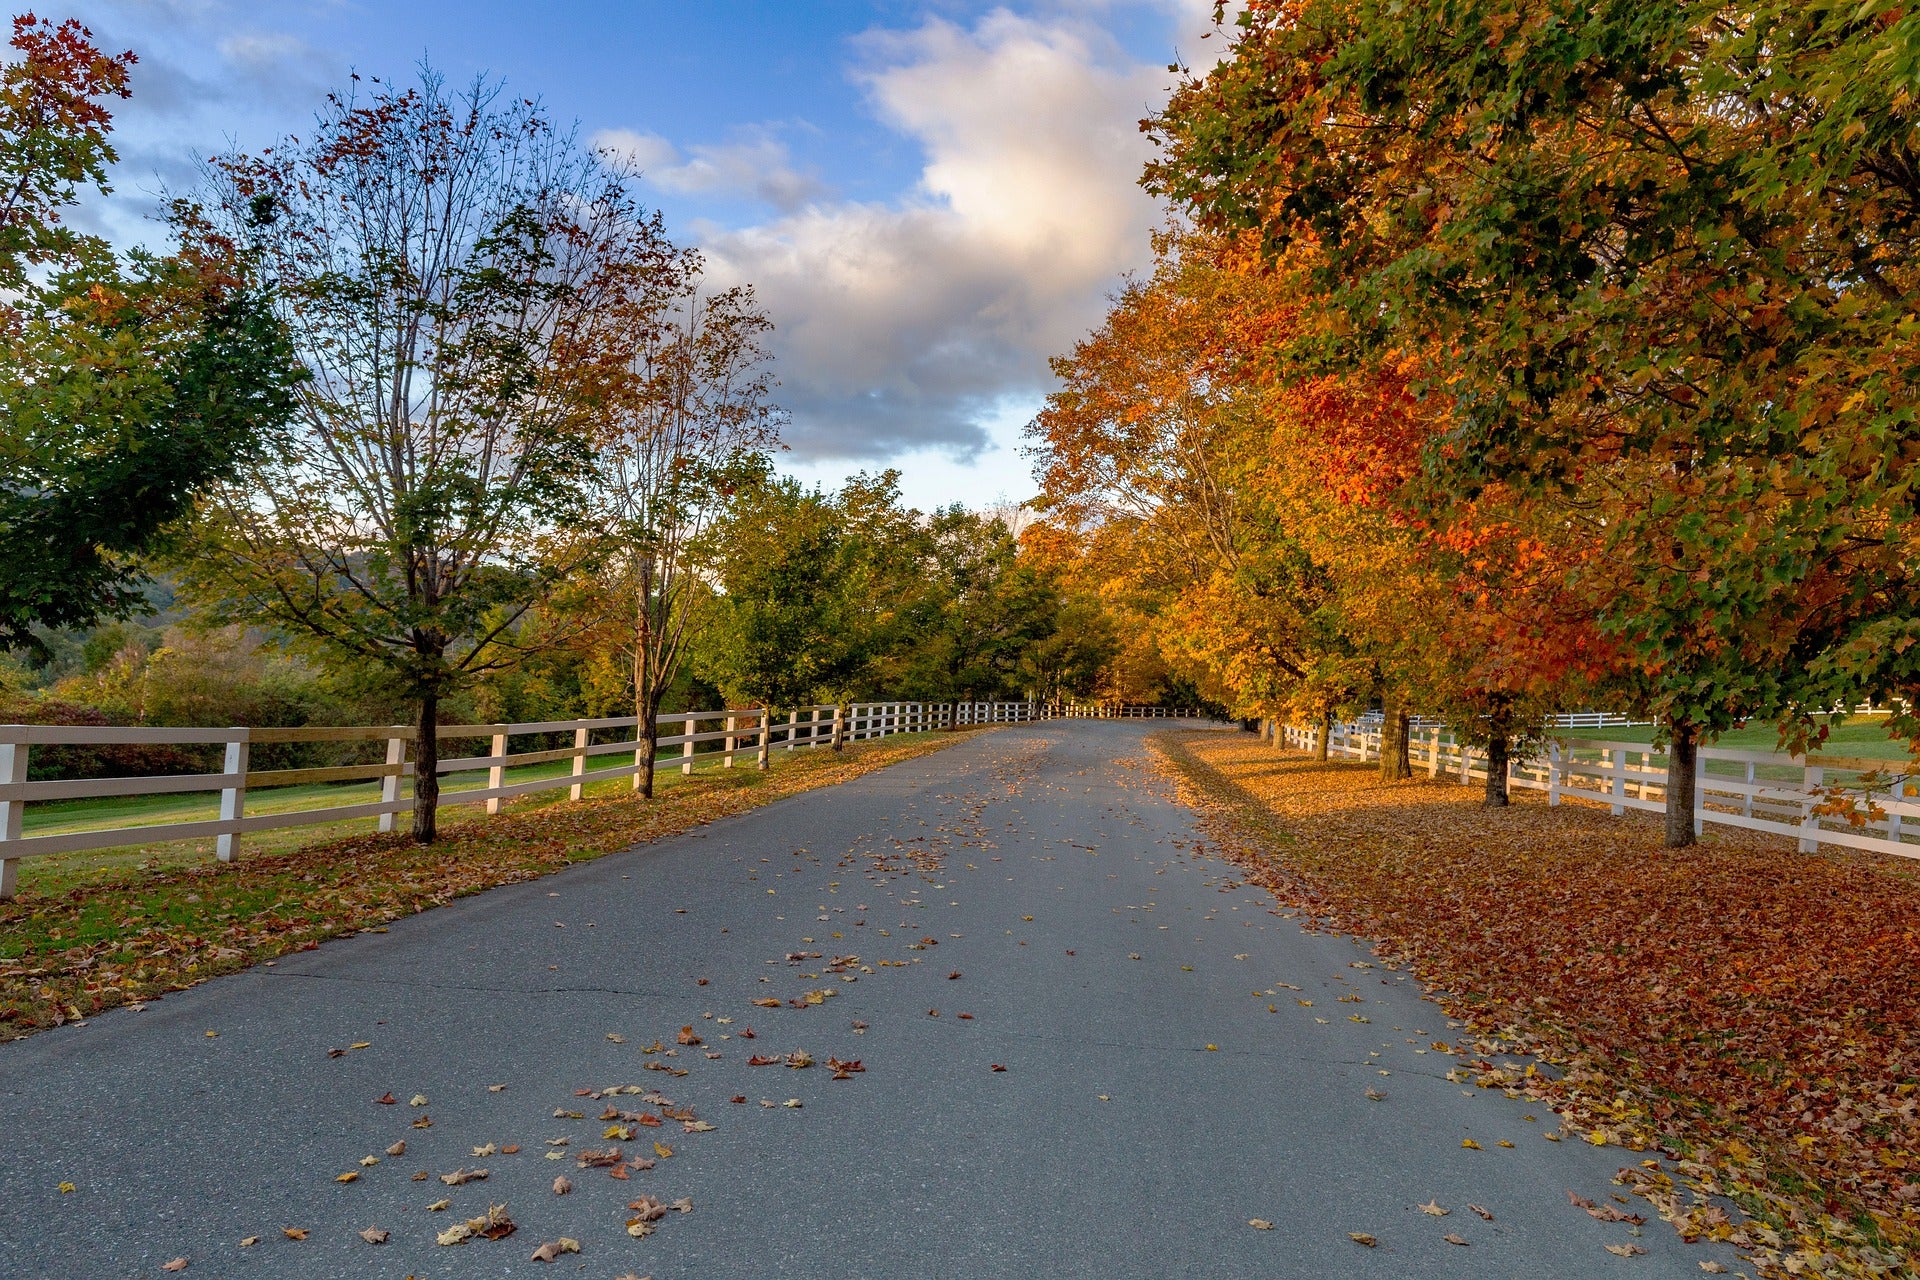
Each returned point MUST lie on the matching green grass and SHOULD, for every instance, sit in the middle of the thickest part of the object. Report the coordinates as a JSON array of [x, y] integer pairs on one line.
[[56, 873], [1863, 737]]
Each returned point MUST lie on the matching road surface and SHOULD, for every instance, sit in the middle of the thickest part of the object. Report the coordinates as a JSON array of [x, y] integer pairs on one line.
[[1032, 899]]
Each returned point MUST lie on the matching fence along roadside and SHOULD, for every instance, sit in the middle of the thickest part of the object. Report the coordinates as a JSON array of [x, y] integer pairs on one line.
[[738, 733], [1605, 772]]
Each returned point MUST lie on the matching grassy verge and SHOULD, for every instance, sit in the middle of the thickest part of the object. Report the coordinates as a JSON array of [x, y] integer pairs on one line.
[[1750, 1012], [94, 930]]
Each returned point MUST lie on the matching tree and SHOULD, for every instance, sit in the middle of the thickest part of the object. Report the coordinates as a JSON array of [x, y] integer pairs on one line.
[[1665, 260], [125, 388], [446, 264], [687, 423]]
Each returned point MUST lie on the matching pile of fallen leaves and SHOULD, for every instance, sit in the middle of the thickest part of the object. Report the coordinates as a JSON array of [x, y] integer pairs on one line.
[[65, 957], [1751, 1011]]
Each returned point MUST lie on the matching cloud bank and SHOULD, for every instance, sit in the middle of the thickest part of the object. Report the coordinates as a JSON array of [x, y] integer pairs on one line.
[[910, 324]]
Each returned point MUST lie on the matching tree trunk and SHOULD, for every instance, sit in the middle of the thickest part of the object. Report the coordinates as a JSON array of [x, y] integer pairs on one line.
[[649, 748], [1682, 752], [1403, 746], [1326, 736], [1393, 744], [1496, 795], [426, 771]]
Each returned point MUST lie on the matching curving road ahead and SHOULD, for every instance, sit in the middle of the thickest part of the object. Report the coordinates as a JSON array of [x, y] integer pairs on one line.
[[1164, 1079]]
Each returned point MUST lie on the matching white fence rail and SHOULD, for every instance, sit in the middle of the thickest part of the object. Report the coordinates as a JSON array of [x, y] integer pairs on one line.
[[725, 735], [1752, 790], [1117, 711]]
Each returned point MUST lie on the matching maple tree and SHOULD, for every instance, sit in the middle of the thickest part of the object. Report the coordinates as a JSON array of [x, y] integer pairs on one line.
[[127, 383], [449, 266], [686, 420], [1663, 261]]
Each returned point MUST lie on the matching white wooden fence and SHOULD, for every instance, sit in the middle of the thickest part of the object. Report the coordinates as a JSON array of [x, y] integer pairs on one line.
[[726, 736], [1117, 711], [1754, 790]]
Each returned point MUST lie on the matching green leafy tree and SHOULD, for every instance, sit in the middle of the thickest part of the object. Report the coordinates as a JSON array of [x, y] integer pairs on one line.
[[126, 388]]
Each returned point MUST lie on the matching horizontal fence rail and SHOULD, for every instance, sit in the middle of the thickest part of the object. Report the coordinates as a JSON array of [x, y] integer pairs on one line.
[[1751, 790], [601, 749], [1117, 711]]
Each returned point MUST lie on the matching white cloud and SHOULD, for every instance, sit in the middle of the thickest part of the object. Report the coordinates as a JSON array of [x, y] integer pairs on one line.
[[755, 164], [909, 324]]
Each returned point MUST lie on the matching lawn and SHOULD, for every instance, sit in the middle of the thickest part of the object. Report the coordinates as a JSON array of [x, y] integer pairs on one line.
[[106, 927], [1748, 1012]]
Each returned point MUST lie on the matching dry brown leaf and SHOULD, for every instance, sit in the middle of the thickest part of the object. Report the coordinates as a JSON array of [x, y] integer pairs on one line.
[[178, 1264], [249, 1241], [1714, 1268], [1433, 1207], [294, 1233], [374, 1235], [561, 1185], [1361, 1237], [1450, 1238], [1482, 1212], [1259, 1224], [1624, 1250], [552, 1249]]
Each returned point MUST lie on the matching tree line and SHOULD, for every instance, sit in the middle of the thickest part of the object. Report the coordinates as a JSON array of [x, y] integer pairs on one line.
[[426, 402], [1508, 357]]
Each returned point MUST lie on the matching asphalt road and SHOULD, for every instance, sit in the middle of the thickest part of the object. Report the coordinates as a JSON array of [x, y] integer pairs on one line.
[[1161, 1087]]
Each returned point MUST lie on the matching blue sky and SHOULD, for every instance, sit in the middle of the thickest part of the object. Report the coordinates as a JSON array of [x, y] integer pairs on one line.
[[931, 198]]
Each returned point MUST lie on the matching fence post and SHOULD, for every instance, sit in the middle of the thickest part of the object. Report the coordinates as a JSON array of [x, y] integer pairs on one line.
[[390, 784], [793, 727], [1553, 774], [581, 737], [1619, 805], [1747, 808], [838, 740], [1433, 757], [766, 739], [1699, 793], [233, 798], [497, 773], [686, 748], [1810, 821], [13, 770], [1466, 762], [730, 741]]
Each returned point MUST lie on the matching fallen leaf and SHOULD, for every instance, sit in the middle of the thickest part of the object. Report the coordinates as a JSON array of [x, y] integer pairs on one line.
[[1624, 1250], [1361, 1237], [1433, 1207], [685, 1036], [616, 1037], [496, 1088], [489, 1150], [459, 1177], [352, 1175], [1579, 1201], [1374, 1095], [552, 1249], [438, 1205], [1471, 1145], [1714, 1268], [386, 1099], [1259, 1224], [511, 1149], [997, 1067], [67, 1188], [494, 1225], [662, 1150], [367, 1162], [417, 1100], [1482, 1212], [374, 1235], [1450, 1238], [178, 1264], [249, 1242], [294, 1233], [361, 1044], [455, 1234]]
